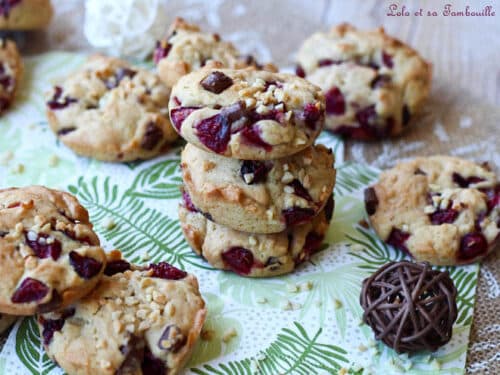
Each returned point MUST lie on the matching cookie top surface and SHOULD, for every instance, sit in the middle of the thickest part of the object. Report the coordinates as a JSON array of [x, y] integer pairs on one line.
[[259, 196], [187, 48], [254, 255], [136, 321], [439, 209], [25, 14], [111, 111], [50, 254], [11, 69], [247, 114], [373, 83]]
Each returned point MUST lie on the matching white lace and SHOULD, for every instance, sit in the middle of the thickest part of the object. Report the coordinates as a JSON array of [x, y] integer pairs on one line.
[[126, 28]]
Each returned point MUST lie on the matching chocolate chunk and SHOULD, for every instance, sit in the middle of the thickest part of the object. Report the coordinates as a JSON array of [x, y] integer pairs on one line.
[[152, 136], [216, 82]]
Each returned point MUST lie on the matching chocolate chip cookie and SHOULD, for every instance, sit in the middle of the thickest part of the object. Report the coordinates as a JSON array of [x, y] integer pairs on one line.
[[138, 320], [259, 196], [11, 69], [373, 83], [248, 254], [247, 114], [439, 209], [50, 256], [187, 48], [111, 111]]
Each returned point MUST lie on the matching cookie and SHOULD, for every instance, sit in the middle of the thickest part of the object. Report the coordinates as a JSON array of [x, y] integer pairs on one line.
[[259, 196], [25, 14], [439, 209], [111, 111], [247, 114], [11, 70], [6, 321], [187, 48], [254, 255], [49, 254], [373, 83], [136, 321]]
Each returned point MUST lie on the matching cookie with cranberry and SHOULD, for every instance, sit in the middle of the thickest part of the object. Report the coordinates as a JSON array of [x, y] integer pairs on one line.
[[136, 321], [373, 84], [439, 209], [25, 14], [6, 321], [249, 254], [186, 48], [50, 256], [111, 111], [11, 70], [247, 114], [259, 196]]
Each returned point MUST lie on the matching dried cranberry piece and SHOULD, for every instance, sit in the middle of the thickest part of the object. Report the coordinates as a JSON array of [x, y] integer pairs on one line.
[[299, 190], [465, 182], [172, 339], [387, 59], [152, 136], [371, 201], [258, 171], [161, 51], [311, 115], [179, 114], [328, 62], [367, 116], [299, 71], [214, 132], [85, 267], [216, 82], [329, 207], [188, 203], [56, 102], [447, 215], [335, 102], [397, 238], [492, 196], [406, 115], [6, 6], [166, 271], [120, 74], [380, 81], [251, 135], [472, 245], [30, 290], [41, 247], [239, 259], [50, 326], [298, 215], [235, 112], [116, 266], [152, 365]]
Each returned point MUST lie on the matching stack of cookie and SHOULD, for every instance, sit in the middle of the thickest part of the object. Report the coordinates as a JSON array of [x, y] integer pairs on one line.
[[97, 314], [257, 194]]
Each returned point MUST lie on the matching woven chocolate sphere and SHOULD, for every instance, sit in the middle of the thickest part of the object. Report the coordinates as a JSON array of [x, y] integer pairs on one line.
[[409, 306]]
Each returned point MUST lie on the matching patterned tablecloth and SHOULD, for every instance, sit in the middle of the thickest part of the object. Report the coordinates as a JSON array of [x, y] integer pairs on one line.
[[455, 122]]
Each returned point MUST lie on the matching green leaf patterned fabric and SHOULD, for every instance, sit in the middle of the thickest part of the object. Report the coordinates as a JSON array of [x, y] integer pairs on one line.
[[307, 322]]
